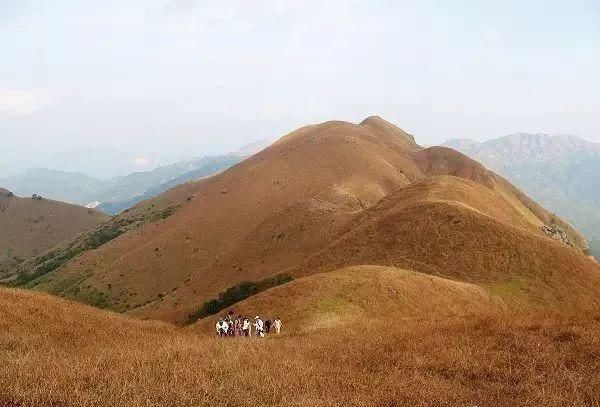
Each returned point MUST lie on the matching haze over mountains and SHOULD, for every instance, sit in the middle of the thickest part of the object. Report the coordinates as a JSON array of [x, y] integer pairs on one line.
[[560, 172], [114, 195]]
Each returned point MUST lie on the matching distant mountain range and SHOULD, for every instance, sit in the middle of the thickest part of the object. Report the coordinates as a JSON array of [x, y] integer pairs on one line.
[[114, 195], [560, 172], [72, 187], [198, 168]]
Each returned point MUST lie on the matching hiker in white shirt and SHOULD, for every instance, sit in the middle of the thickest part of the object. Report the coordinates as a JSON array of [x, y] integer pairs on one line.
[[277, 324], [258, 325], [246, 327], [222, 328]]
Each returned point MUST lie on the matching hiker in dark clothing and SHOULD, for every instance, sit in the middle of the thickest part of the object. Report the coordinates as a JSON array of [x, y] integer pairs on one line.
[[230, 322], [268, 326]]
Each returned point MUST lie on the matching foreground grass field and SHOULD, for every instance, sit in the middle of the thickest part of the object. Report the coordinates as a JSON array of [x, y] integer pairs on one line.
[[57, 353]]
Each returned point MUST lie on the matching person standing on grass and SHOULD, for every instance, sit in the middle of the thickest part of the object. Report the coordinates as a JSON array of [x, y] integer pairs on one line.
[[277, 324], [229, 320], [267, 326], [237, 326], [222, 328], [259, 326], [246, 327]]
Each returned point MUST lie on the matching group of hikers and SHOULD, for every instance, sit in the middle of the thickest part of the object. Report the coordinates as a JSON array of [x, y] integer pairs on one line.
[[241, 326]]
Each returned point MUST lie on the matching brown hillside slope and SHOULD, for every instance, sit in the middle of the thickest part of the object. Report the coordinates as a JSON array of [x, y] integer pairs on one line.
[[43, 317], [347, 163], [30, 226], [316, 188], [435, 227], [345, 297], [53, 352], [445, 161]]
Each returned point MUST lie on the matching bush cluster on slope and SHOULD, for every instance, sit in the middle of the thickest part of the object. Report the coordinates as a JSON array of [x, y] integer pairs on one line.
[[236, 294]]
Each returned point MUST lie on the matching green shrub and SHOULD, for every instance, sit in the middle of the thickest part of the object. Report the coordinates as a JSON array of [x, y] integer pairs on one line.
[[103, 236], [162, 214], [236, 294]]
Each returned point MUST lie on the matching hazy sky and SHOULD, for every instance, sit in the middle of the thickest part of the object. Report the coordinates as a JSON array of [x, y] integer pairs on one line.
[[107, 86]]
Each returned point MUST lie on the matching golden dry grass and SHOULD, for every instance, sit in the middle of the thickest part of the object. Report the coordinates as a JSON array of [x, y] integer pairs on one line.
[[483, 361], [355, 294], [53, 352]]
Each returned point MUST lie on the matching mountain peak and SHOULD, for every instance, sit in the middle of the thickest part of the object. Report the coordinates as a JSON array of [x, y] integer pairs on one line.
[[374, 120], [382, 126]]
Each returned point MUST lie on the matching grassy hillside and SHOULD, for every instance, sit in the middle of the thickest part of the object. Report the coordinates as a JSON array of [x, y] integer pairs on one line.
[[30, 226], [403, 340], [352, 295], [30, 271], [559, 172], [323, 197]]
